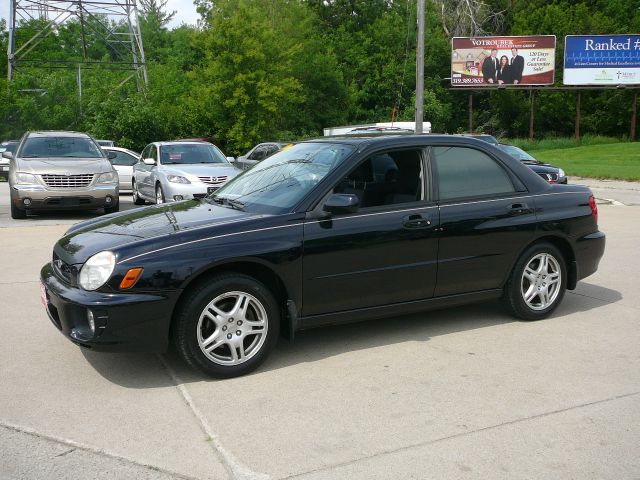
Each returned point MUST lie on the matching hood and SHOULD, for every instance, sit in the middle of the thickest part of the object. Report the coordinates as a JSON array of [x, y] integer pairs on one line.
[[202, 169], [540, 167], [63, 165], [150, 224]]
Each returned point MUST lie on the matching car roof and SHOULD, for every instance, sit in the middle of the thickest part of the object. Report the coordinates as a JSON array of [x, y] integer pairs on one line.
[[398, 138], [56, 133], [181, 142]]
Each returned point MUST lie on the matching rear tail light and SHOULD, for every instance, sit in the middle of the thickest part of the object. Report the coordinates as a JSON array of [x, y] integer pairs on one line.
[[594, 208]]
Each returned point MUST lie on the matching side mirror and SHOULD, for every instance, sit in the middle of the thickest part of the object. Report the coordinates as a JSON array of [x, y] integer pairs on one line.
[[231, 159], [342, 203], [8, 155], [148, 161], [111, 155]]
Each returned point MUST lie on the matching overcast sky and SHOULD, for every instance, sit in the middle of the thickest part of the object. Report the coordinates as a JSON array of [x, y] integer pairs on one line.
[[186, 11]]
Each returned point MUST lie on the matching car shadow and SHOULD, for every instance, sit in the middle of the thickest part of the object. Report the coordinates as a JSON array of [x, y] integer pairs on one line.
[[138, 370]]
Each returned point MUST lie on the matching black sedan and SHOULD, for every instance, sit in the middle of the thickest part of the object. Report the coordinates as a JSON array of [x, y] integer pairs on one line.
[[548, 172], [327, 231]]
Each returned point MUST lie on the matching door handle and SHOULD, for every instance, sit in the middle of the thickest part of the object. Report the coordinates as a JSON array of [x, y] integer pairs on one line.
[[518, 208], [416, 221]]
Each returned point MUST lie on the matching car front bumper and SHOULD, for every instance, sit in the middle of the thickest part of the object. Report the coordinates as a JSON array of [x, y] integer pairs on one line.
[[131, 322], [187, 191], [41, 198]]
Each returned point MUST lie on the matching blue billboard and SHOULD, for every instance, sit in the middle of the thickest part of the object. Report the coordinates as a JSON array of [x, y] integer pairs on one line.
[[601, 60]]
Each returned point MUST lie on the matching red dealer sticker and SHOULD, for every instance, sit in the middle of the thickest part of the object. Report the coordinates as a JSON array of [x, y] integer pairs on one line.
[[43, 295]]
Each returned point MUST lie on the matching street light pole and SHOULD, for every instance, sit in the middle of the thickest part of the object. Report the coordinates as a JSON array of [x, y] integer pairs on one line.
[[420, 69]]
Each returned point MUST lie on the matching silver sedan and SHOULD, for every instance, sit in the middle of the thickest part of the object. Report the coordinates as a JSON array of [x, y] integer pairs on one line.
[[123, 162], [179, 170]]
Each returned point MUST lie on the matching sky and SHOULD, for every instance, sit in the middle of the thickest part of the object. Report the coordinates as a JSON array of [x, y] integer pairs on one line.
[[186, 11]]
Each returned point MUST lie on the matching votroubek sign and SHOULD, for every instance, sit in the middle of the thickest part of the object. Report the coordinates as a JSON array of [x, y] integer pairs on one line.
[[601, 60], [499, 61]]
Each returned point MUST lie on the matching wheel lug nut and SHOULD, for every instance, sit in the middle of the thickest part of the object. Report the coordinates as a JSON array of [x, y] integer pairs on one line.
[[238, 332], [229, 336], [231, 320], [224, 327], [239, 322]]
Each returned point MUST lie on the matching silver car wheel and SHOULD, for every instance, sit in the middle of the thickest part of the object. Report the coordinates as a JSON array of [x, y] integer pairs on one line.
[[232, 328], [541, 281]]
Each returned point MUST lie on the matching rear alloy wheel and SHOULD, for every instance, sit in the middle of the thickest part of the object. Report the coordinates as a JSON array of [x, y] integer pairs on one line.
[[537, 283], [227, 326], [17, 213], [159, 195], [136, 196]]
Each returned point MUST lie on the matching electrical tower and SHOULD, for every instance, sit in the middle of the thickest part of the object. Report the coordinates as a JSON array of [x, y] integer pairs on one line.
[[113, 24]]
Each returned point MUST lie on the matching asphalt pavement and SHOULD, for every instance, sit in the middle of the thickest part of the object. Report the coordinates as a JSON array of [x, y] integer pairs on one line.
[[464, 393]]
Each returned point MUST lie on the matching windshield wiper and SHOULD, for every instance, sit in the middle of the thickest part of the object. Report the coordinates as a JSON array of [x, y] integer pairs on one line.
[[235, 204]]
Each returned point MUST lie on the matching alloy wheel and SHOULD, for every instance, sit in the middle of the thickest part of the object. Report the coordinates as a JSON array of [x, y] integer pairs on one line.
[[541, 281], [232, 328]]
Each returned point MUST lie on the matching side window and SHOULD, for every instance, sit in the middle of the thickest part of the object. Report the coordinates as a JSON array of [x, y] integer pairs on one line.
[[124, 159], [271, 149], [389, 178], [145, 152], [467, 172], [259, 153], [153, 153]]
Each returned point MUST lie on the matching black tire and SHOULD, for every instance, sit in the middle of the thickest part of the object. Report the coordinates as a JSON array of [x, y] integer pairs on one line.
[[17, 213], [136, 198], [187, 327], [160, 193], [115, 208], [514, 296]]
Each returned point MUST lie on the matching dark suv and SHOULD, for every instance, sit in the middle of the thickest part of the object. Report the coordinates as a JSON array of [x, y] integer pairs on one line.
[[326, 231]]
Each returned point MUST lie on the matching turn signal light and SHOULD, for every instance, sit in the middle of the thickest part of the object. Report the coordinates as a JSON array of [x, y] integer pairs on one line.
[[130, 278]]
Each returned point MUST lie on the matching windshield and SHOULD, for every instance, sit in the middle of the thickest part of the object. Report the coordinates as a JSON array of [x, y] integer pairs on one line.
[[278, 183], [66, 147], [190, 153], [517, 153]]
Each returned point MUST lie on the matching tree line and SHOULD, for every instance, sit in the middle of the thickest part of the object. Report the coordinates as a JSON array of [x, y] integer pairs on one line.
[[257, 70]]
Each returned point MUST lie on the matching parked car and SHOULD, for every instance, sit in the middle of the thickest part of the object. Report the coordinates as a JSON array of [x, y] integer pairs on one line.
[[179, 170], [548, 172], [123, 162], [257, 154], [60, 170], [484, 137], [106, 143], [313, 236], [6, 146]]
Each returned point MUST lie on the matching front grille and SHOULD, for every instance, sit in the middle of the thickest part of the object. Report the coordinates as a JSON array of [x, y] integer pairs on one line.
[[64, 271], [549, 177], [67, 181], [213, 180]]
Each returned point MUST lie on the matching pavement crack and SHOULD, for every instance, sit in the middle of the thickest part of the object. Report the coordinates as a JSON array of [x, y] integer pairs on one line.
[[463, 434], [236, 470], [91, 449]]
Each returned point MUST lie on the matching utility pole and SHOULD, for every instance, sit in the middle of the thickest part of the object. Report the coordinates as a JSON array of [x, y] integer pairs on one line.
[[420, 69]]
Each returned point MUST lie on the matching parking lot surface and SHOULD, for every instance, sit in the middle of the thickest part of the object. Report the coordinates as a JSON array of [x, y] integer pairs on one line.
[[463, 393]]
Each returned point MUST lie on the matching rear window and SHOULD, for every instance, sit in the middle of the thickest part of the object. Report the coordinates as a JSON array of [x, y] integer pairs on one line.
[[60, 147]]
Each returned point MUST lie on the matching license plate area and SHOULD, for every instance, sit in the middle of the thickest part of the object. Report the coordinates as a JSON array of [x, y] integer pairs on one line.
[[43, 295], [211, 190]]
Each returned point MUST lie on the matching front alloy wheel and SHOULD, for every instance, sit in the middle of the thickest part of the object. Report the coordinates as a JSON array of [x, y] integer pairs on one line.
[[159, 194], [226, 325], [537, 283], [232, 328]]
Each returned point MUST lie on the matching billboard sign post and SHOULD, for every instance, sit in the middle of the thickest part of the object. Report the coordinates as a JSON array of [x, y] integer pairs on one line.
[[602, 60], [503, 61]]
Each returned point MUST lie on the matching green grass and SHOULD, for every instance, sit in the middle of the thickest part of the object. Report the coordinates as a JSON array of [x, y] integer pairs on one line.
[[559, 142], [614, 160]]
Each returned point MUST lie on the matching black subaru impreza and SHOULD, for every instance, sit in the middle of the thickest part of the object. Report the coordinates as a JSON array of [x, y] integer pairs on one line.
[[327, 231]]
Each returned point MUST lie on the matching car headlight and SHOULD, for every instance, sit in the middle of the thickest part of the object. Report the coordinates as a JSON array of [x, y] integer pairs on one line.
[[109, 177], [97, 270], [25, 178], [561, 173], [177, 179]]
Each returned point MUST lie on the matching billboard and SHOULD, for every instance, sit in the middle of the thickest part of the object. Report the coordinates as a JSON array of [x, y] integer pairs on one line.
[[601, 60], [497, 61]]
